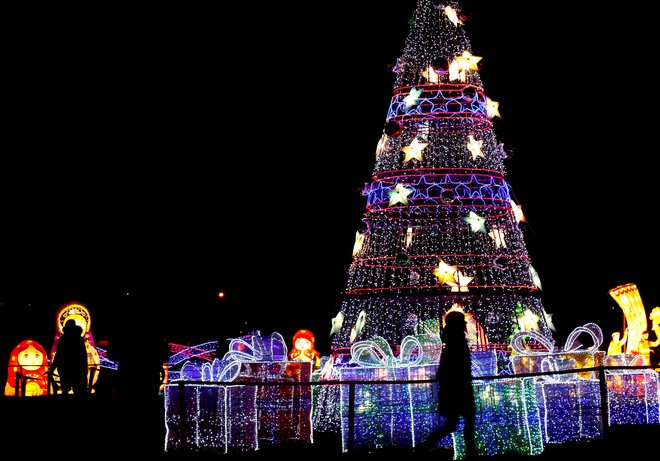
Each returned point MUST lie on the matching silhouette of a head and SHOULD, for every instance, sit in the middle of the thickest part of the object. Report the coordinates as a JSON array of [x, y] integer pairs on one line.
[[70, 327], [455, 321]]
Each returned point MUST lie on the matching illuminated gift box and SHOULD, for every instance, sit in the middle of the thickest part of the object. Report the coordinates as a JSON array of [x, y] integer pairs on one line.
[[484, 363], [569, 406], [388, 415], [526, 360], [632, 394], [208, 417], [284, 412], [583, 359], [507, 419]]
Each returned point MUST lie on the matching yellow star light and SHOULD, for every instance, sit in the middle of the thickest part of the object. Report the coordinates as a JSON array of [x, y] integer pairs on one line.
[[467, 62], [399, 195], [414, 150], [359, 241], [461, 282], [430, 75], [492, 108], [452, 15], [529, 321], [412, 99], [476, 222], [517, 211], [337, 322], [455, 73], [497, 235], [474, 147], [445, 273]]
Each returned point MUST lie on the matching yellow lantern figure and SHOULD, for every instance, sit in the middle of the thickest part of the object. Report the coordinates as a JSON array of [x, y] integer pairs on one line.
[[80, 314], [628, 298]]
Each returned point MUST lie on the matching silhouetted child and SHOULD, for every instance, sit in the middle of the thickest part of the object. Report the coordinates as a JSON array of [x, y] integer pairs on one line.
[[455, 396], [70, 360]]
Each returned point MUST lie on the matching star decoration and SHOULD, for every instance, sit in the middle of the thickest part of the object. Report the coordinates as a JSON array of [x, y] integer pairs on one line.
[[430, 75], [548, 320], [517, 211], [452, 15], [492, 108], [476, 222], [529, 321], [383, 143], [455, 73], [414, 277], [412, 99], [467, 62], [337, 322], [409, 237], [497, 235], [397, 66], [359, 325], [535, 277], [399, 195], [474, 147], [445, 273], [414, 150], [501, 151], [461, 282], [359, 241]]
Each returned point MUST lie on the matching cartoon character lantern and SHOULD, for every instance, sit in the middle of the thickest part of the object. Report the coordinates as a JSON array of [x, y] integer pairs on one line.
[[28, 363], [303, 348], [80, 314]]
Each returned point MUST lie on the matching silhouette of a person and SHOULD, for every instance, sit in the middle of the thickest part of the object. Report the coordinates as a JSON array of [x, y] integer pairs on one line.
[[455, 395], [70, 359]]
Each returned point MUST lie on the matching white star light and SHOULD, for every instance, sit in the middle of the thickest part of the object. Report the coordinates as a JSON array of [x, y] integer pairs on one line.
[[497, 235], [529, 321], [517, 211], [452, 15], [337, 322], [412, 99], [492, 108], [399, 195], [476, 222], [455, 73], [535, 277], [461, 282], [474, 147]]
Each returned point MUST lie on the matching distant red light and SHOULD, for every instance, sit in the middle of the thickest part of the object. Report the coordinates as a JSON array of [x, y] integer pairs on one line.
[[221, 294]]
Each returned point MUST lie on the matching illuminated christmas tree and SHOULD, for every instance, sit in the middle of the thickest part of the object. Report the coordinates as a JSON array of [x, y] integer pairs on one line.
[[441, 229]]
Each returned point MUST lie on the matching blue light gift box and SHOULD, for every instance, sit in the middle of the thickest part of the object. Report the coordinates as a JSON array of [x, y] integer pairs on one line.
[[632, 394]]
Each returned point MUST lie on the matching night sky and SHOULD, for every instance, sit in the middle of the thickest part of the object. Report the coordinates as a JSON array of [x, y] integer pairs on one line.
[[153, 158]]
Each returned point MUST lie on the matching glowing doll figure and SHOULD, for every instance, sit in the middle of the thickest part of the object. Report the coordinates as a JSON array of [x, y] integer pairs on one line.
[[303, 348], [617, 344], [81, 315], [28, 359]]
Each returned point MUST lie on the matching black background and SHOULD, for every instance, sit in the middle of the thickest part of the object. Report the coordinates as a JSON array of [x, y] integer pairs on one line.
[[153, 157]]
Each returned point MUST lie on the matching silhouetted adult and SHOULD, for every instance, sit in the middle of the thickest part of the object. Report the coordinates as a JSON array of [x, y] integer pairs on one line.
[[70, 360], [455, 397]]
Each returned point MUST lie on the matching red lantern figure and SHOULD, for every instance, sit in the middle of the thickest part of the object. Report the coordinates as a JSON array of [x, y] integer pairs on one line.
[[28, 367], [303, 348]]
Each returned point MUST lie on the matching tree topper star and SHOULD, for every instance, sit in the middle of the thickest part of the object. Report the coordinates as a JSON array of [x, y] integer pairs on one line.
[[414, 150], [399, 195]]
